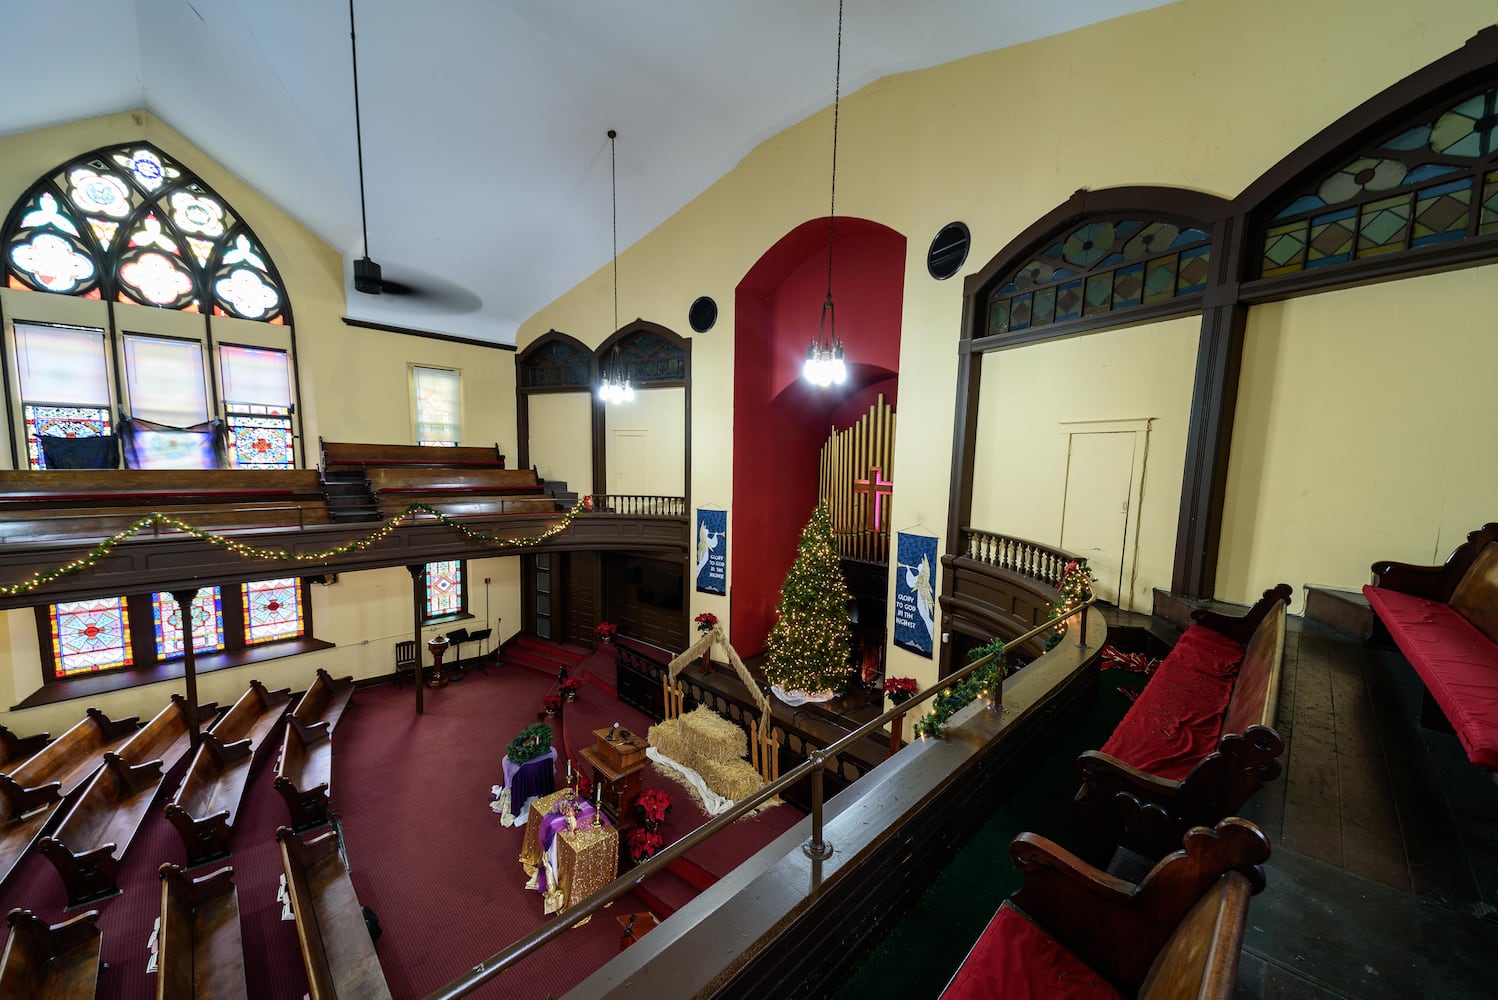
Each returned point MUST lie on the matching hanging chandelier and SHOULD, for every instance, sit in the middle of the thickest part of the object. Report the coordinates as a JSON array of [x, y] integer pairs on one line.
[[613, 386], [824, 358]]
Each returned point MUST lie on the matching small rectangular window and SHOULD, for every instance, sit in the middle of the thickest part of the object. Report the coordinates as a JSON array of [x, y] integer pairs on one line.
[[64, 377], [165, 380], [207, 623], [272, 610], [447, 592], [439, 405], [88, 636], [257, 406]]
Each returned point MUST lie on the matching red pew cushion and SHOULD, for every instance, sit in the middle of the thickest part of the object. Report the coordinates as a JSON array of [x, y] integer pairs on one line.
[[1016, 960], [1458, 664], [1178, 717]]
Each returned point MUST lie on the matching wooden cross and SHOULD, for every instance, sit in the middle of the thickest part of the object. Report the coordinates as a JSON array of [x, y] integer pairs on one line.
[[879, 487]]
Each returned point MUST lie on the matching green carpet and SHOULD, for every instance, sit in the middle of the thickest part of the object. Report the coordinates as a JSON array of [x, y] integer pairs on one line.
[[919, 956]]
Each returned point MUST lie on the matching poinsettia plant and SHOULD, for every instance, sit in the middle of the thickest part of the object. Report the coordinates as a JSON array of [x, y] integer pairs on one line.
[[654, 806], [551, 704], [900, 689], [706, 622], [644, 843], [569, 688], [605, 630]]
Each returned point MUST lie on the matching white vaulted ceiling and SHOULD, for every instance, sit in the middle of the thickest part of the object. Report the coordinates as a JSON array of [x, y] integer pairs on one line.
[[485, 151]]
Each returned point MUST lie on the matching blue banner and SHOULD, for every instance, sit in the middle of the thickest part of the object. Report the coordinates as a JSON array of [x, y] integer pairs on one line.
[[712, 551], [915, 592]]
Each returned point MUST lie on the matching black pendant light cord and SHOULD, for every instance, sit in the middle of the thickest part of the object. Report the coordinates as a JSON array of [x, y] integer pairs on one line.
[[832, 208], [358, 135], [614, 187]]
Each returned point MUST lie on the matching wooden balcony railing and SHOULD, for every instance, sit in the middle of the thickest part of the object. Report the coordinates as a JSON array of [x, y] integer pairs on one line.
[[1028, 559], [639, 505]]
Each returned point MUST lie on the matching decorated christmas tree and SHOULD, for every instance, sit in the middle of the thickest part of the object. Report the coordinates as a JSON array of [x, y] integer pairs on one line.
[[809, 646]]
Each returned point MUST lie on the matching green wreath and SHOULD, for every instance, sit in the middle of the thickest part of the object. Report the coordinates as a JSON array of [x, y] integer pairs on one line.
[[533, 741]]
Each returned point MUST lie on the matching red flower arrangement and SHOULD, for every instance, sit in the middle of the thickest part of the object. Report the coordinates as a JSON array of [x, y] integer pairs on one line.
[[900, 689], [644, 843], [706, 622], [569, 688], [605, 630], [587, 502], [654, 806], [551, 704]]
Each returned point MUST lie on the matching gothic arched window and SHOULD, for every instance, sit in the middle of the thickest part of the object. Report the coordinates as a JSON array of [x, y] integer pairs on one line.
[[129, 224]]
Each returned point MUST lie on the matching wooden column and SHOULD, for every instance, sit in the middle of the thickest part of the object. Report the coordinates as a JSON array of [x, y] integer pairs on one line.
[[418, 604], [184, 599]]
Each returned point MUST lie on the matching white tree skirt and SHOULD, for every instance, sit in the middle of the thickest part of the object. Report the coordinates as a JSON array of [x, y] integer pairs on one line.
[[801, 697]]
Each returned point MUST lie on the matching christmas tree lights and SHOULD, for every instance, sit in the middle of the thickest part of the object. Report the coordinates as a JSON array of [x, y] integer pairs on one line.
[[810, 646]]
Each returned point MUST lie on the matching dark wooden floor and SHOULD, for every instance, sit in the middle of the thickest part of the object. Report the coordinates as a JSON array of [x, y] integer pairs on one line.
[[1384, 878]]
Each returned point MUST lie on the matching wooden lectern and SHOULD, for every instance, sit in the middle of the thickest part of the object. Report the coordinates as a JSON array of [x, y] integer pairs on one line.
[[618, 759]]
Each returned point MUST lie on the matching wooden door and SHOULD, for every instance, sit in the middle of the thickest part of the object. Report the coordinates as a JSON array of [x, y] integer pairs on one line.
[[1095, 518]]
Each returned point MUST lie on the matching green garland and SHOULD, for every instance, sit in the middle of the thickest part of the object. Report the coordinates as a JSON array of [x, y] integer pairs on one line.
[[957, 697], [245, 551], [533, 741]]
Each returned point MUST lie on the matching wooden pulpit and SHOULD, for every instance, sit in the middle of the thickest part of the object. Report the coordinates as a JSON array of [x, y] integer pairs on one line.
[[618, 760]]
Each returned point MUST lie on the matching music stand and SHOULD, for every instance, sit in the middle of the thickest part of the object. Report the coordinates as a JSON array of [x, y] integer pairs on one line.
[[457, 637], [479, 636]]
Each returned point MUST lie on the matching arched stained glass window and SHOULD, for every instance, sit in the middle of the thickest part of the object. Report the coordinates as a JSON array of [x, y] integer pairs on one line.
[[1103, 266], [645, 356], [556, 363], [1431, 180], [129, 224]]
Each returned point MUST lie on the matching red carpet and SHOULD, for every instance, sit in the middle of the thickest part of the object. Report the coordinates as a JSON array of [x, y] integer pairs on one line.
[[427, 853]]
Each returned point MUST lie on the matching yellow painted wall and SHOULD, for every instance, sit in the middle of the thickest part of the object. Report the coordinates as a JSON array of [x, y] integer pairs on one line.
[[1032, 396], [561, 431], [652, 428], [1364, 431]]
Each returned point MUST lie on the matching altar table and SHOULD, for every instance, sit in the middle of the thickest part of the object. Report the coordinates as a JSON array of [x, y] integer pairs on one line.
[[584, 859], [526, 780]]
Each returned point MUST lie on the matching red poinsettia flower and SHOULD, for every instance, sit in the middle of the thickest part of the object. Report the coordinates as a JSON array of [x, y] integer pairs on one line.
[[706, 622]]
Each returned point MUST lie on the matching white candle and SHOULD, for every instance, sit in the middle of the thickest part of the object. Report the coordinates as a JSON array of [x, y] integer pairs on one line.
[[569, 770]]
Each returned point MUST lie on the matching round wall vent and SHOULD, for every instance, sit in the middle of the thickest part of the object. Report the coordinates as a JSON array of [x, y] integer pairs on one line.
[[704, 313], [948, 251]]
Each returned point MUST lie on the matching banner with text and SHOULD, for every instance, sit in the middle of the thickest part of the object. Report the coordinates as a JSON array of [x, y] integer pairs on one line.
[[915, 592], [712, 551]]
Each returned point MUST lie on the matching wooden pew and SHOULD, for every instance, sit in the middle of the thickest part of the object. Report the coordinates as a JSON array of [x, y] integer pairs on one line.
[[336, 948], [15, 750], [325, 700], [206, 803], [33, 791], [1172, 763], [304, 774], [64, 503], [199, 951], [51, 961], [1177, 934], [339, 456], [96, 830], [459, 492]]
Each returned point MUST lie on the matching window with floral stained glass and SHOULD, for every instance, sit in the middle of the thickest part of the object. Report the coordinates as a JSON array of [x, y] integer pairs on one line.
[[438, 403], [272, 610], [90, 636], [64, 378], [257, 406], [1103, 266], [1431, 180], [447, 590], [207, 623], [130, 224]]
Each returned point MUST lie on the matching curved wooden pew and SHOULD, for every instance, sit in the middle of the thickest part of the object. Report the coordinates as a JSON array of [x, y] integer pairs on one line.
[[199, 950], [32, 792], [325, 701], [1178, 933], [16, 750], [96, 831], [304, 774], [51, 961], [336, 948], [205, 806]]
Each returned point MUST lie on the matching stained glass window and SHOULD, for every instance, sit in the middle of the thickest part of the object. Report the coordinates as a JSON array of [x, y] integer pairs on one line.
[[64, 381], [166, 380], [556, 363], [259, 442], [1415, 188], [207, 623], [439, 405], [1103, 266], [445, 588], [130, 224], [89, 636], [272, 610]]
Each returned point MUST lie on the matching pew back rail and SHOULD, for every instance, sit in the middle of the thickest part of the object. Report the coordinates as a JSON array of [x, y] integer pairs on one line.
[[200, 952], [304, 774], [336, 947]]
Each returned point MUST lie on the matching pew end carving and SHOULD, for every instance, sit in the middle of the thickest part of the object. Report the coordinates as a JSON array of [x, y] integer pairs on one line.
[[51, 960]]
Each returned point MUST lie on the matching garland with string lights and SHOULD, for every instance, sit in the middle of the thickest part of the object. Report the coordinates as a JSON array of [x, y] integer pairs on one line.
[[976, 685], [810, 645], [246, 551], [1076, 590]]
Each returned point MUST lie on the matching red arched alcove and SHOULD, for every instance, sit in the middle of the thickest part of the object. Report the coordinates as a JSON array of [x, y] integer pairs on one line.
[[780, 421]]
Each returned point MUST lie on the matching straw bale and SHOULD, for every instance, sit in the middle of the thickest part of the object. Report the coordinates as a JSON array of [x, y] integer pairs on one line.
[[712, 737], [735, 779], [670, 738]]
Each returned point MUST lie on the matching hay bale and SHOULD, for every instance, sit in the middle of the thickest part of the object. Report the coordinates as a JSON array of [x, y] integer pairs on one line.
[[712, 737], [670, 739], [735, 779]]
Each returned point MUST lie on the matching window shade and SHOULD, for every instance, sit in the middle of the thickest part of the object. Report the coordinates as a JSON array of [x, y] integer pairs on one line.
[[438, 405], [165, 379], [60, 364], [255, 376]]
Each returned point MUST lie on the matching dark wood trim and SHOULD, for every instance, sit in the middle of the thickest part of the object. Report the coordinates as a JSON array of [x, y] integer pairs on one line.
[[522, 357], [1179, 204], [426, 334], [12, 402], [964, 459], [598, 414], [1474, 251], [298, 414]]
